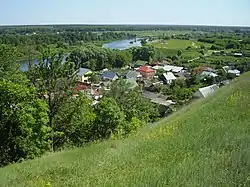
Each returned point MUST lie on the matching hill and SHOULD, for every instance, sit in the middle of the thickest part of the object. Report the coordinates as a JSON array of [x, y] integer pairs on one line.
[[205, 144]]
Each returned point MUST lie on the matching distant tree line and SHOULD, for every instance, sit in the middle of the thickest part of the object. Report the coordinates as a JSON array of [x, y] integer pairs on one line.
[[102, 28], [70, 38]]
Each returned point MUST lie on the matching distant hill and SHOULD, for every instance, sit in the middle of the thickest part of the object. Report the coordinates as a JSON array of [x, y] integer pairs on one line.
[[205, 144]]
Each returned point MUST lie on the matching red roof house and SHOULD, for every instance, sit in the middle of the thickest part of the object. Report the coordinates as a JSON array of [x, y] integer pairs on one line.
[[146, 72]]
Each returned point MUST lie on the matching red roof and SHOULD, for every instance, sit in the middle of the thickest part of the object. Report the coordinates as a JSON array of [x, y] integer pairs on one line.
[[81, 86], [146, 69]]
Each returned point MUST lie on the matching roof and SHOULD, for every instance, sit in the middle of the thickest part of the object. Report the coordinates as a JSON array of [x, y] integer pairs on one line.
[[174, 69], [83, 71], [209, 74], [80, 87], [132, 74], [157, 67], [168, 67], [146, 69], [177, 69], [208, 90], [109, 75], [169, 76], [238, 54], [132, 83], [235, 71]]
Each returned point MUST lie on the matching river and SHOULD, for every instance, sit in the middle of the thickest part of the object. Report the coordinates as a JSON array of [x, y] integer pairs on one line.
[[123, 44]]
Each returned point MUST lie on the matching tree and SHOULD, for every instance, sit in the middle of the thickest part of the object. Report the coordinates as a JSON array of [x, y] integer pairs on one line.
[[203, 46], [8, 58], [145, 53], [110, 119], [53, 79], [179, 53], [23, 123], [94, 78], [132, 103], [159, 72], [74, 122], [143, 42], [174, 58]]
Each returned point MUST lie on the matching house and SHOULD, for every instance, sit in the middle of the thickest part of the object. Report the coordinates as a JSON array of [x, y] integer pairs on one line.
[[238, 54], [104, 70], [146, 72], [174, 69], [167, 67], [177, 69], [169, 77], [132, 75], [231, 71], [109, 75], [208, 74], [83, 74], [206, 91], [200, 69], [234, 72]]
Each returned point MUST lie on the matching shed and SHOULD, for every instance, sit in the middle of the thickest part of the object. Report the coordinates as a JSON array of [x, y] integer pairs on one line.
[[206, 91]]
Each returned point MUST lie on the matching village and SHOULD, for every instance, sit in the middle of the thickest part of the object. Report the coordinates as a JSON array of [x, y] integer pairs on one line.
[[148, 78]]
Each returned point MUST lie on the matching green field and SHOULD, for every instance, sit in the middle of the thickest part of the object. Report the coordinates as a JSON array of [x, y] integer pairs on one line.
[[173, 44], [152, 33], [203, 144]]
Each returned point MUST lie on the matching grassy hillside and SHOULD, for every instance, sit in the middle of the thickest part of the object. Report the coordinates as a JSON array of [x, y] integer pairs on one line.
[[204, 144]]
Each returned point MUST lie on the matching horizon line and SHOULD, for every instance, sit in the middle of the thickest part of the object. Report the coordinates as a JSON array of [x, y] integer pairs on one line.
[[123, 24]]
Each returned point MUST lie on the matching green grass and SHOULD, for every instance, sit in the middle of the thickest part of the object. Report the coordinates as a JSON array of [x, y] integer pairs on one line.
[[203, 144], [172, 44]]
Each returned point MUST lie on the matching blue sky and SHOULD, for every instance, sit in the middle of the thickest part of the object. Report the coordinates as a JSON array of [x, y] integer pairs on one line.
[[207, 12]]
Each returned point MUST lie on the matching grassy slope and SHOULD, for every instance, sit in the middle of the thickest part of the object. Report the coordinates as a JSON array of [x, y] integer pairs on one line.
[[205, 144]]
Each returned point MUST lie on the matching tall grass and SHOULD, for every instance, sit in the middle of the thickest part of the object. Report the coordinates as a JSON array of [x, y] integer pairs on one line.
[[205, 144]]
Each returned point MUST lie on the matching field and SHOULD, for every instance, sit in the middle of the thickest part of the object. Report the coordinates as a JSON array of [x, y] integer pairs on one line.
[[203, 144], [155, 33], [171, 47]]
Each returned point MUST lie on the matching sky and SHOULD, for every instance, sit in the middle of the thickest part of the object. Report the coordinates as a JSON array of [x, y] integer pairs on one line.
[[180, 12]]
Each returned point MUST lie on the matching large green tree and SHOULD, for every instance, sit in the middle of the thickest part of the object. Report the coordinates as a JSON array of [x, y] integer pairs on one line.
[[145, 53], [74, 122], [24, 131], [8, 58], [110, 119], [54, 80]]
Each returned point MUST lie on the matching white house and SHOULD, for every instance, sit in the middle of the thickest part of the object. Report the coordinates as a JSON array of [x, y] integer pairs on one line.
[[209, 74], [174, 69], [234, 71], [83, 74], [206, 91], [169, 76], [168, 67], [177, 69]]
